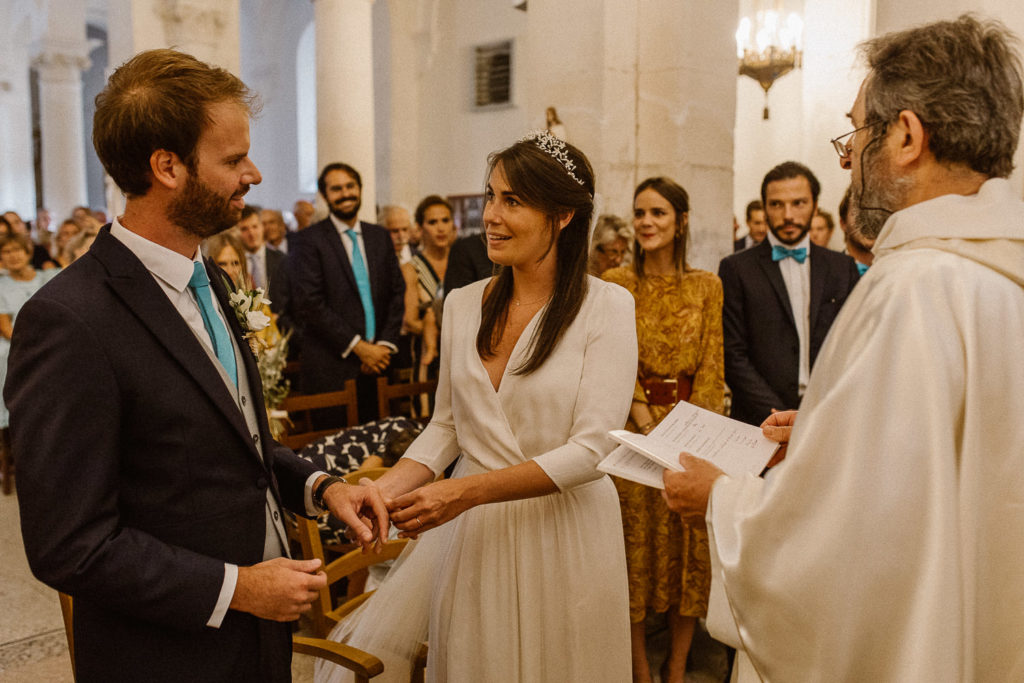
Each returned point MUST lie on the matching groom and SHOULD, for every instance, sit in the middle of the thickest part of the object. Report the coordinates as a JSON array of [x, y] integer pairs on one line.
[[149, 486]]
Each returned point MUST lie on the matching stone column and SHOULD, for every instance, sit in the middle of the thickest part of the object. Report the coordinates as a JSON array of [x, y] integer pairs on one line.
[[60, 69], [17, 179], [344, 83]]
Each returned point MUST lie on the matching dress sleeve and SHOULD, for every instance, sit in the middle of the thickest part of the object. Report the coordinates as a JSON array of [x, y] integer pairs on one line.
[[604, 394], [709, 379], [437, 446]]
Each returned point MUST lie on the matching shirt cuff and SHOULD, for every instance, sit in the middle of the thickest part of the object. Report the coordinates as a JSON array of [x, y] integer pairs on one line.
[[394, 349], [355, 340], [227, 591], [307, 497]]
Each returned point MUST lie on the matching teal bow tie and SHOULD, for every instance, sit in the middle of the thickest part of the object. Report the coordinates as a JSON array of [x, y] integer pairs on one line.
[[779, 253]]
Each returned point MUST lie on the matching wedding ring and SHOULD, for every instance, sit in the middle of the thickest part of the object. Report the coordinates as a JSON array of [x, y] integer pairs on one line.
[[419, 522]]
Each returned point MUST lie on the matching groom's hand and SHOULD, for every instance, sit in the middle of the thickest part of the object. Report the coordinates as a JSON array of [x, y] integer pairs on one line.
[[278, 589], [362, 508]]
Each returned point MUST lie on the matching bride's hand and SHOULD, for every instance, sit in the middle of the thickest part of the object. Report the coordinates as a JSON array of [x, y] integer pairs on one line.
[[429, 506]]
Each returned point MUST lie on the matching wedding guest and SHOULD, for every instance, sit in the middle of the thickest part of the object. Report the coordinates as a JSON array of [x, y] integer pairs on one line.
[[679, 333], [65, 233], [79, 244], [228, 252], [822, 227], [515, 575], [21, 282], [424, 278], [610, 246], [303, 212]]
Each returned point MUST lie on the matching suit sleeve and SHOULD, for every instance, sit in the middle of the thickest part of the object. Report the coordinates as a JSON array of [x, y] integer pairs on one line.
[[308, 279], [69, 470], [740, 373]]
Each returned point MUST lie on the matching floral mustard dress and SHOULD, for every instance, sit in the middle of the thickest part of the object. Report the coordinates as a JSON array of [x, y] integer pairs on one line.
[[679, 331]]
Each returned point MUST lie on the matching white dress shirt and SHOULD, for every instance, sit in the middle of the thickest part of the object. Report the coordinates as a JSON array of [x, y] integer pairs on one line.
[[797, 277]]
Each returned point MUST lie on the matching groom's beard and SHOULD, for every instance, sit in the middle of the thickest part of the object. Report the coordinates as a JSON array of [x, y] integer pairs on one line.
[[201, 211]]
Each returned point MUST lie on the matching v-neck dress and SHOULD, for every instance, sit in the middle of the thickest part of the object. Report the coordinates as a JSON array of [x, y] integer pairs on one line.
[[527, 590]]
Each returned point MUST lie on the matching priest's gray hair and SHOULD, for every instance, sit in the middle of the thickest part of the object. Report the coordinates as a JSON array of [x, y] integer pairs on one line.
[[963, 80]]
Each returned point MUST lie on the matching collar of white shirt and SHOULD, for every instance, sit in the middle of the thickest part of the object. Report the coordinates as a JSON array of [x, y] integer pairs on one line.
[[168, 265], [342, 227]]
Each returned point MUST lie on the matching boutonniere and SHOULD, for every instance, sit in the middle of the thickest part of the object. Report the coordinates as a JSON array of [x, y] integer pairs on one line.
[[250, 306]]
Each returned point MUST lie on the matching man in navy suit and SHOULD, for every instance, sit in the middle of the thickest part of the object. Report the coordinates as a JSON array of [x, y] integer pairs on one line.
[[349, 293], [781, 297], [149, 486]]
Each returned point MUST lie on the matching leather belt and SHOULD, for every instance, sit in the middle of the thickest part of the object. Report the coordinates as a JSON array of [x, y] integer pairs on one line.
[[667, 392]]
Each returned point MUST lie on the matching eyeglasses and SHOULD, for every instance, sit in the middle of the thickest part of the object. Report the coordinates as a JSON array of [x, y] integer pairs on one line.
[[842, 143]]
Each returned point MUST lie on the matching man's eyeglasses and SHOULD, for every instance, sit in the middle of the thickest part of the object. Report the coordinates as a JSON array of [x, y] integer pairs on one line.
[[842, 143]]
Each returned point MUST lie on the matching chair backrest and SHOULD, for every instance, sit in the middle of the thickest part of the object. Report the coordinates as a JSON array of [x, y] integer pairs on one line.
[[418, 397], [300, 409]]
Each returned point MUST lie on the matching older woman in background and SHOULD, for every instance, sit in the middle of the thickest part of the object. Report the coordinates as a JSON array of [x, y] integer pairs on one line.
[[679, 334], [16, 287], [611, 244]]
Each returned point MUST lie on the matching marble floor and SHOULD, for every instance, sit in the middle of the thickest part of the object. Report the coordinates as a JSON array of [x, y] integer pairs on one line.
[[33, 648]]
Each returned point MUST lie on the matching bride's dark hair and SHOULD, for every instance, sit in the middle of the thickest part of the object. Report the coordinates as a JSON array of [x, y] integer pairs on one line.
[[543, 183]]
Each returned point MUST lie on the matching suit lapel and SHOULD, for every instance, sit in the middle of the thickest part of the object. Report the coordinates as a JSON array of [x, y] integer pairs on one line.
[[774, 275], [334, 240], [819, 274], [135, 286]]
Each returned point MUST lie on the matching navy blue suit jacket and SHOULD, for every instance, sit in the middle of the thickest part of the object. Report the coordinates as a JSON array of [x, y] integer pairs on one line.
[[762, 350], [327, 302], [138, 477]]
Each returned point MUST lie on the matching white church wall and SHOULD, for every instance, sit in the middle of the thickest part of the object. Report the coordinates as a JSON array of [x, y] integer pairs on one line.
[[269, 39]]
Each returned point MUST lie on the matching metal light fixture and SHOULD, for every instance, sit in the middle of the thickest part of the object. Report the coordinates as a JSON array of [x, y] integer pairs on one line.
[[769, 47]]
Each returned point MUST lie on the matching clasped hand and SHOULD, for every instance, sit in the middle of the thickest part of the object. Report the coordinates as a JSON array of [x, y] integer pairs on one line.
[[428, 507]]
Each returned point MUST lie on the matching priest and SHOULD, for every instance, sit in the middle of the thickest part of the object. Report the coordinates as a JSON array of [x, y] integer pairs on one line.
[[889, 544]]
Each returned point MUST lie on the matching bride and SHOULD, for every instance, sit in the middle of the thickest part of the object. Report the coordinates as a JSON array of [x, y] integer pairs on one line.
[[519, 570]]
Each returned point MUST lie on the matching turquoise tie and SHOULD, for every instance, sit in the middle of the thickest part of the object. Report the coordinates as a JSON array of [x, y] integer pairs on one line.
[[200, 284], [861, 268], [779, 253], [363, 283]]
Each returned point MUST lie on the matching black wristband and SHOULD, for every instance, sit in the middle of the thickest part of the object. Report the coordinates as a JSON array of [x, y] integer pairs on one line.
[[321, 489]]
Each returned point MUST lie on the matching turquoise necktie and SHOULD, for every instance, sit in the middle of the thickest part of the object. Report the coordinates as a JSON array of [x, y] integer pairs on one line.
[[780, 252], [363, 283], [200, 284], [861, 268]]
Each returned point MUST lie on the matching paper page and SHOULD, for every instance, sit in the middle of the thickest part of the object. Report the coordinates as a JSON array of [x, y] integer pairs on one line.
[[627, 464], [734, 447]]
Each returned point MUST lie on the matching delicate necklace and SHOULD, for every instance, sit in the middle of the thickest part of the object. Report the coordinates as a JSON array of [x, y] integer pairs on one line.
[[519, 303]]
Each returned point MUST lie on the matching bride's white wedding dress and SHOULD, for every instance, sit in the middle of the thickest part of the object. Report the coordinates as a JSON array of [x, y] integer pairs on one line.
[[528, 590]]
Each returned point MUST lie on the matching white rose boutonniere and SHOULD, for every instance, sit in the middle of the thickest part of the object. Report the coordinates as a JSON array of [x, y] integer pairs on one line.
[[249, 306]]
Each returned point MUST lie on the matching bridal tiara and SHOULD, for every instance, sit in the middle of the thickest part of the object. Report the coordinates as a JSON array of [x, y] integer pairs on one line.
[[554, 148]]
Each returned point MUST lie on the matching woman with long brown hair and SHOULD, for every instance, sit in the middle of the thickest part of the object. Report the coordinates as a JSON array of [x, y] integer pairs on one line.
[[679, 333], [515, 576]]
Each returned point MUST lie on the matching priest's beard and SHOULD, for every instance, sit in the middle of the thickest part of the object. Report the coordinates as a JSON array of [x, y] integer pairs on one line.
[[201, 211], [870, 207]]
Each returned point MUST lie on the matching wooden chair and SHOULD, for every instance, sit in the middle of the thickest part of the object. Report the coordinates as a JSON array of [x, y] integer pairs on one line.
[[352, 568], [299, 407], [364, 666], [410, 392], [6, 462]]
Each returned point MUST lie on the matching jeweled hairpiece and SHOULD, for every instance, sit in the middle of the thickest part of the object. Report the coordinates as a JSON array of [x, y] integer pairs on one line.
[[554, 148]]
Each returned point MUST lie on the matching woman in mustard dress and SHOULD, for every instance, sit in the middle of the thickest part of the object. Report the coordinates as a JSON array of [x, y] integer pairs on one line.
[[679, 333]]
